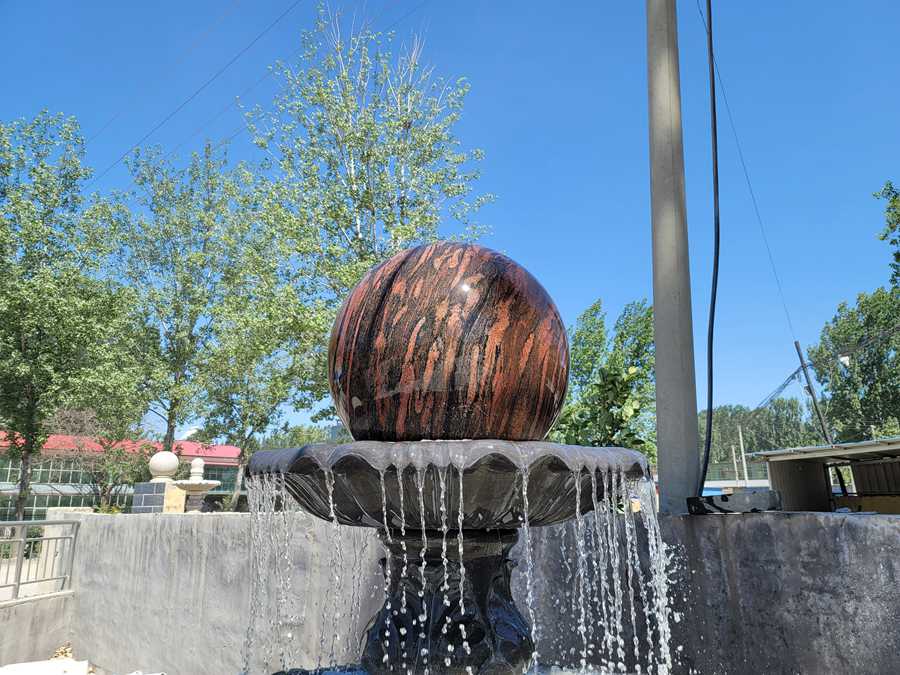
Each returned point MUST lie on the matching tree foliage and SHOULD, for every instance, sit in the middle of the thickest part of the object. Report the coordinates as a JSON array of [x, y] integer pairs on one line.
[[298, 435], [783, 423], [891, 231], [206, 292], [365, 155], [66, 332], [113, 468], [364, 163], [611, 400], [182, 250], [269, 350], [122, 459], [857, 362]]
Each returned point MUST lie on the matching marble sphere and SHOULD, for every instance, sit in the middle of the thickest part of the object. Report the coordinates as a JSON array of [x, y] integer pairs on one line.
[[448, 341]]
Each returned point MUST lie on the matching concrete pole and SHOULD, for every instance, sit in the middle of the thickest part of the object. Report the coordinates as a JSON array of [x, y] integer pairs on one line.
[[743, 455], [737, 476], [676, 392]]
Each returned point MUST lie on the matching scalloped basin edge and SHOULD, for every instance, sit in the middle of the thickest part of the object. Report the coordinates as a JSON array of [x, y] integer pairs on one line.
[[434, 485]]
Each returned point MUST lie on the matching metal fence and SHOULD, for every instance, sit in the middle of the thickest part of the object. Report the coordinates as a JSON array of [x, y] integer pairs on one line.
[[36, 557], [726, 471]]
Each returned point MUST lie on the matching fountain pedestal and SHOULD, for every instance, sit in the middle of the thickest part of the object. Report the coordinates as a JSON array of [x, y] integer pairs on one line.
[[447, 614], [196, 487], [489, 487]]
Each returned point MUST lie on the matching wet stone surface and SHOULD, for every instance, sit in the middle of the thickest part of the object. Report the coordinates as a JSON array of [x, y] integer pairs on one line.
[[448, 613], [448, 341], [478, 482]]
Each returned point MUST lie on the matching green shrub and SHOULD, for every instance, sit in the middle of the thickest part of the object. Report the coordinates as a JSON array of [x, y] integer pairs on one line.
[[8, 549]]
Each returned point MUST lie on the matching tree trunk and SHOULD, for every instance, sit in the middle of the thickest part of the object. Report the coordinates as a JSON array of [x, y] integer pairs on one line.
[[24, 479], [169, 438], [238, 483]]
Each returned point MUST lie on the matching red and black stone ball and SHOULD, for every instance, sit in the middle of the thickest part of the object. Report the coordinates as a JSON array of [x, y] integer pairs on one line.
[[448, 341]]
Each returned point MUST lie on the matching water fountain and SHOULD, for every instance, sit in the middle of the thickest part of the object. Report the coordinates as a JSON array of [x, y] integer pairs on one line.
[[448, 364], [196, 486]]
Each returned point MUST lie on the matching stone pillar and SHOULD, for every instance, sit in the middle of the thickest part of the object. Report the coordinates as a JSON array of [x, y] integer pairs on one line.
[[160, 495]]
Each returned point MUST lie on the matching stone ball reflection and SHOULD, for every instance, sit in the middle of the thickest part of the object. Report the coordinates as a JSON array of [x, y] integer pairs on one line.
[[448, 341]]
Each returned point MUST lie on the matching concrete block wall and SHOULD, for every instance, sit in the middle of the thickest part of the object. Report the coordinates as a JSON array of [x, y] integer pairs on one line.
[[172, 592], [148, 498]]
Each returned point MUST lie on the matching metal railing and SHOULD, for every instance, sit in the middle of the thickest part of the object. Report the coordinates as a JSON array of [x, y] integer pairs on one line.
[[36, 557]]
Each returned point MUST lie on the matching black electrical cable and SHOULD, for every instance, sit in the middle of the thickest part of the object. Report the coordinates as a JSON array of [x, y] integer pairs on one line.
[[707, 444]]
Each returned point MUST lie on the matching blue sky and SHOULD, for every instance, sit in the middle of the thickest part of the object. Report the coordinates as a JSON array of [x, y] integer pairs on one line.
[[558, 103]]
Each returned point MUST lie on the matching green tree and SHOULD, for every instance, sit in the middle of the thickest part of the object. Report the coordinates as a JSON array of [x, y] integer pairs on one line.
[[783, 423], [857, 362], [367, 161], [114, 425], [181, 250], [267, 352], [298, 435], [891, 232], [61, 322], [113, 468], [588, 346], [611, 400]]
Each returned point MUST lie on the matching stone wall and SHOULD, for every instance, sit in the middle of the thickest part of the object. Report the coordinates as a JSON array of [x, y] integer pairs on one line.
[[759, 593], [172, 592], [148, 498], [768, 593], [811, 593]]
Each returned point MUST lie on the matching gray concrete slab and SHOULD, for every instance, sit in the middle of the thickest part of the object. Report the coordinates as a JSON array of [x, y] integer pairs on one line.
[[34, 628], [808, 593]]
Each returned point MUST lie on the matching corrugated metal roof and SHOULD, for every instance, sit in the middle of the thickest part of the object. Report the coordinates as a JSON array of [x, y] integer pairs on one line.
[[881, 448]]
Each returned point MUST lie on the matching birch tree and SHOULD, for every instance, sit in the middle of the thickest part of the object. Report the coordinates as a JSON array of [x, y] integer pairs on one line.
[[181, 243], [365, 157]]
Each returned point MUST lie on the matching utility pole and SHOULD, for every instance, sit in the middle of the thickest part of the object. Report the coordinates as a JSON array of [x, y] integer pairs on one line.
[[737, 476], [812, 394], [743, 455], [676, 391], [825, 432]]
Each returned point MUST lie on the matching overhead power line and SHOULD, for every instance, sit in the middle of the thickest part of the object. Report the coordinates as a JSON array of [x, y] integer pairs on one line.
[[196, 92], [796, 374], [759, 220], [187, 52], [406, 15], [777, 391], [241, 129], [862, 344], [226, 108]]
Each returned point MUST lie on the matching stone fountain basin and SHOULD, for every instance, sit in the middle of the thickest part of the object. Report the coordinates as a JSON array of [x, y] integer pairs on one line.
[[411, 480]]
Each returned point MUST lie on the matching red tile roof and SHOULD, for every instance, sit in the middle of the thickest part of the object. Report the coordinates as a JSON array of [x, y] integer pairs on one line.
[[188, 450]]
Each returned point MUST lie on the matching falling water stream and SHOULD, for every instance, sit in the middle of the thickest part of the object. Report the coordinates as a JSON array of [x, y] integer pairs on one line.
[[594, 590]]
